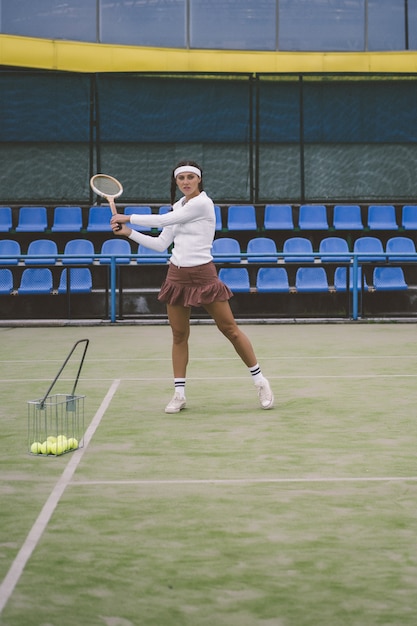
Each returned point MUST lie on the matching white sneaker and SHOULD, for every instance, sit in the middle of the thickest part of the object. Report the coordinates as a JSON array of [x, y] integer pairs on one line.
[[266, 397], [176, 404]]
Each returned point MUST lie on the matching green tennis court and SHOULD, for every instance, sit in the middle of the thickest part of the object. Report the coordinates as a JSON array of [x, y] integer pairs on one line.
[[223, 514]]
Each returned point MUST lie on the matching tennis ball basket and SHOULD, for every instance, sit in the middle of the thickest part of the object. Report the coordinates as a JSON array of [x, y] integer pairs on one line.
[[56, 421]]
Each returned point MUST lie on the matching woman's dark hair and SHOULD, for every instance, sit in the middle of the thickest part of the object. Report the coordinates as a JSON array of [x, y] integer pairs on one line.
[[174, 184]]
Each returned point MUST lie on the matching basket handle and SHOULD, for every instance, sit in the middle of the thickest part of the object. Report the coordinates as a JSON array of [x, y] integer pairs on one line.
[[86, 341]]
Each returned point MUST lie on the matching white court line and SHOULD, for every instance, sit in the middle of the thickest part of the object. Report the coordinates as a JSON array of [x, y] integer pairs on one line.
[[288, 357], [224, 378], [247, 481], [13, 575]]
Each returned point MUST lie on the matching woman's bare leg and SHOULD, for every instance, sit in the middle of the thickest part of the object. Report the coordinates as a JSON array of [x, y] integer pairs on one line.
[[226, 323], [179, 320]]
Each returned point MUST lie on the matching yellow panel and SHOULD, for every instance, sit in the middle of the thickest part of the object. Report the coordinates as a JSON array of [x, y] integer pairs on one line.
[[88, 57]]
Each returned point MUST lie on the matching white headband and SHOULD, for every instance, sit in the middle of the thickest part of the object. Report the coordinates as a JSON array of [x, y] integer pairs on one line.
[[187, 168]]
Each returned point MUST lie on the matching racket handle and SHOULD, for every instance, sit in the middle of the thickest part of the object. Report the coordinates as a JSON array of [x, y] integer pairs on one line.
[[112, 206], [114, 211]]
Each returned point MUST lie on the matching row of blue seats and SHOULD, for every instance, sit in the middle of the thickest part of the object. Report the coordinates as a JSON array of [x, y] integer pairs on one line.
[[311, 280], [300, 249], [239, 217], [46, 252], [318, 217], [70, 218], [225, 250], [40, 281], [268, 280]]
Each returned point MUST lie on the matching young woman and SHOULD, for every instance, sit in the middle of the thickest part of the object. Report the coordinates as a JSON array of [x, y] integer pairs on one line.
[[192, 277]]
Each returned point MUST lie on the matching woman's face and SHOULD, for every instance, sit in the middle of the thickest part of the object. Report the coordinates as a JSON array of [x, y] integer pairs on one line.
[[187, 183]]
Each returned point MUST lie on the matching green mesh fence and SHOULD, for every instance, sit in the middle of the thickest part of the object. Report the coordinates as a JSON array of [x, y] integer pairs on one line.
[[258, 139]]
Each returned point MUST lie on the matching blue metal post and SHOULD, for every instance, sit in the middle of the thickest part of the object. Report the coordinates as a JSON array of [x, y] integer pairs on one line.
[[113, 288], [355, 287]]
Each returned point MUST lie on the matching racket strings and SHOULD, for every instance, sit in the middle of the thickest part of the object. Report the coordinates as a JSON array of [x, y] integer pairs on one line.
[[106, 186]]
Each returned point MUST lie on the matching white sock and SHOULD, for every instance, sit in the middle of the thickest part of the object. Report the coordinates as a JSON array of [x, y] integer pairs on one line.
[[256, 373], [179, 384]]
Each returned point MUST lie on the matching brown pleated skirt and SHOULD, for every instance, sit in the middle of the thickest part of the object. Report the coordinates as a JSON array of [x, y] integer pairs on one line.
[[193, 286]]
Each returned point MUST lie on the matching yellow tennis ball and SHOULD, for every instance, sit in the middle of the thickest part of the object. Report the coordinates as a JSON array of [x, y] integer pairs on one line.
[[52, 448], [35, 448], [72, 443], [51, 439], [59, 448], [44, 447], [62, 441]]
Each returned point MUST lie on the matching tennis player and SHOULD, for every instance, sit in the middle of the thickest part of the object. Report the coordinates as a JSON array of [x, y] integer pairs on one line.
[[192, 276]]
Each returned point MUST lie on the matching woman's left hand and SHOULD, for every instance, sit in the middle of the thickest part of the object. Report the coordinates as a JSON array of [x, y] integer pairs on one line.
[[119, 218]]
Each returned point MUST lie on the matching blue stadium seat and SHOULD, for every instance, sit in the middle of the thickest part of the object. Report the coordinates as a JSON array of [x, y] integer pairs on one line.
[[79, 246], [337, 247], [165, 208], [32, 219], [218, 214], [347, 217], [5, 219], [299, 245], [401, 245], [311, 280], [389, 279], [241, 217], [409, 217], [80, 280], [99, 219], [382, 217], [147, 255], [36, 281], [313, 217], [226, 250], [6, 281], [12, 249], [139, 210], [340, 279], [272, 280], [116, 246], [67, 219], [263, 246], [45, 247], [370, 249], [236, 278], [278, 217]]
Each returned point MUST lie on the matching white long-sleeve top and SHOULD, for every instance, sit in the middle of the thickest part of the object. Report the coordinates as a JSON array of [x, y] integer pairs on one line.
[[190, 227]]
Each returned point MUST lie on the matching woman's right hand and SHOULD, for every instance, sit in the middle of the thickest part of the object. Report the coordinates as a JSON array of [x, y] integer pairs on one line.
[[118, 222], [120, 229]]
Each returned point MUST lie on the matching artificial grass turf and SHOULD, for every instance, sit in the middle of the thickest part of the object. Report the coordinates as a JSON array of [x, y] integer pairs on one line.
[[134, 540]]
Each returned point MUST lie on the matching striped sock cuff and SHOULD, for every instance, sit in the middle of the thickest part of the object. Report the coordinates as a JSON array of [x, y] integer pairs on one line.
[[257, 375], [179, 384], [255, 370]]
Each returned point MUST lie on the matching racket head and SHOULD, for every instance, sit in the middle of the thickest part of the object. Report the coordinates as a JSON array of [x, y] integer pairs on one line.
[[106, 186]]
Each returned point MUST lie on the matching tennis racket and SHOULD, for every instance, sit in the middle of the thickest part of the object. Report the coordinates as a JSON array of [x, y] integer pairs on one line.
[[107, 187]]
